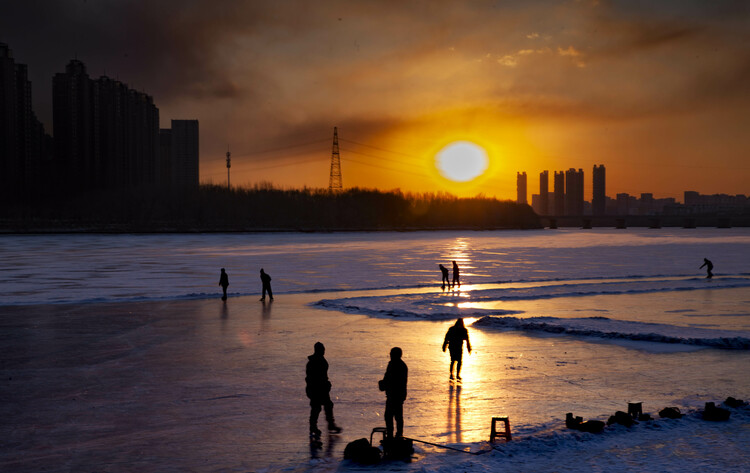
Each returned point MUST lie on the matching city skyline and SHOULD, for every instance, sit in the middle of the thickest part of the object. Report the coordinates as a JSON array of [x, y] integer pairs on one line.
[[660, 93]]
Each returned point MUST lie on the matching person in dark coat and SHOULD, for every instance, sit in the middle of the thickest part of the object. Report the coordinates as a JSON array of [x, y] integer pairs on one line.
[[709, 266], [224, 283], [456, 278], [394, 385], [454, 340], [318, 389], [444, 270], [266, 280]]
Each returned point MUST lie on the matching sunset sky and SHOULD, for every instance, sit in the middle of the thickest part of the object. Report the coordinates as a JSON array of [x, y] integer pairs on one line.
[[657, 91]]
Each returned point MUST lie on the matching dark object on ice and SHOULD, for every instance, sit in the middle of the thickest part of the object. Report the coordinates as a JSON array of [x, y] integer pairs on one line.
[[670, 413], [397, 448], [635, 409], [394, 385], [318, 389], [590, 426], [505, 433], [361, 451], [456, 276], [454, 340], [715, 414], [444, 271], [224, 283], [572, 422], [645, 417], [709, 266], [734, 403], [266, 280], [622, 418]]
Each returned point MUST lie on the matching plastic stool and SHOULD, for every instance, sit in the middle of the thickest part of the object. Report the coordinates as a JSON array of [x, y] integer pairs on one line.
[[493, 430], [382, 430]]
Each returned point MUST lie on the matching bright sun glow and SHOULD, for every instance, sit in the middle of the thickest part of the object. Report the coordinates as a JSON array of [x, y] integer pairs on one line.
[[461, 161]]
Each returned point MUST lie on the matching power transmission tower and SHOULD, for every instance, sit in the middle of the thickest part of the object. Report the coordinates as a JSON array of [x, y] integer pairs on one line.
[[334, 183]]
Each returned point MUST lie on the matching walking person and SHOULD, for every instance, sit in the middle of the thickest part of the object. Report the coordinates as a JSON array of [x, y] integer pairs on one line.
[[265, 278], [224, 283], [318, 389], [444, 271], [454, 340], [394, 385], [456, 278], [709, 266]]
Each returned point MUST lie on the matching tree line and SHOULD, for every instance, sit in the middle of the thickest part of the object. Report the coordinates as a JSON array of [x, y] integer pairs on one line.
[[263, 208]]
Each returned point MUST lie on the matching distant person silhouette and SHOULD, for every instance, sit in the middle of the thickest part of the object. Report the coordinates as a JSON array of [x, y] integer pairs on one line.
[[224, 283], [456, 277], [444, 270], [266, 280], [318, 389], [394, 385], [709, 266], [454, 340]]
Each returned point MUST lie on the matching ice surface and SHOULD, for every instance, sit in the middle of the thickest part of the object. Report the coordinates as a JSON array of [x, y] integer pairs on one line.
[[182, 382]]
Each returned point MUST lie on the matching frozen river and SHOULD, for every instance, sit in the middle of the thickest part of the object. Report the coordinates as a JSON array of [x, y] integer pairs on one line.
[[121, 357]]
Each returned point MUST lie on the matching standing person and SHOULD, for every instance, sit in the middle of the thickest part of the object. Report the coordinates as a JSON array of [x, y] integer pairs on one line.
[[394, 385], [318, 389], [224, 283], [456, 279], [709, 266], [266, 280], [454, 340], [444, 270]]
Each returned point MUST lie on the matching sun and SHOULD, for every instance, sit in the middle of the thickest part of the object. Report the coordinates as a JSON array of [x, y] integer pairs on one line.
[[461, 161]]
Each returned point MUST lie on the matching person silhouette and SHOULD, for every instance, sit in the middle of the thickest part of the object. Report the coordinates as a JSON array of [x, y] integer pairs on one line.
[[454, 340], [224, 283], [456, 278], [266, 280], [709, 266], [444, 270], [394, 385], [318, 389]]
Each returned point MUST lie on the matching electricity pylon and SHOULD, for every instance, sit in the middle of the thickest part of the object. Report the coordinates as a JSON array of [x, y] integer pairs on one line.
[[334, 183]]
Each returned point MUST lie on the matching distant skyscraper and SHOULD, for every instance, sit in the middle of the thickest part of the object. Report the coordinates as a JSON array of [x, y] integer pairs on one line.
[[185, 153], [598, 199], [559, 185], [521, 188], [543, 193], [574, 192], [23, 143]]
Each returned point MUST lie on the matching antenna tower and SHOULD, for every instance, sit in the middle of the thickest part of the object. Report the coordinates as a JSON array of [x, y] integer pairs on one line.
[[229, 165], [334, 183]]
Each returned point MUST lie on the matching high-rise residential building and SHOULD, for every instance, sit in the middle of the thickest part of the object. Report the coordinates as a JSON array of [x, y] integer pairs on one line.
[[184, 153], [106, 134], [574, 192], [521, 188], [543, 207], [73, 127], [23, 143], [559, 186], [598, 198]]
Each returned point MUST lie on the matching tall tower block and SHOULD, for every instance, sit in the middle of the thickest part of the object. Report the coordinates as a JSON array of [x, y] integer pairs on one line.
[[521, 188], [334, 182], [544, 192], [598, 199]]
